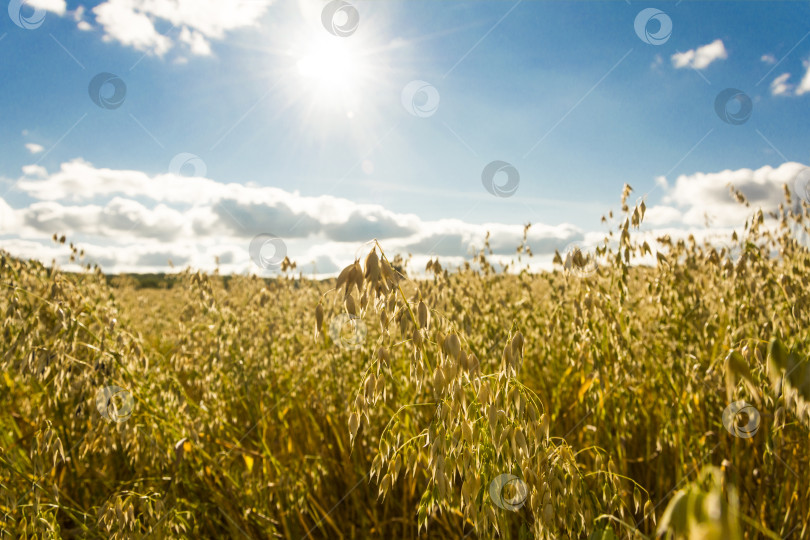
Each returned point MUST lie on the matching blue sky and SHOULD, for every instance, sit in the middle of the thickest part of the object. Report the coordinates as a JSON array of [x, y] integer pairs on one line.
[[306, 135]]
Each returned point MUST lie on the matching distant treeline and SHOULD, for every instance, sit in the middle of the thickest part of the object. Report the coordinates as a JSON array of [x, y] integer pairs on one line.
[[156, 281]]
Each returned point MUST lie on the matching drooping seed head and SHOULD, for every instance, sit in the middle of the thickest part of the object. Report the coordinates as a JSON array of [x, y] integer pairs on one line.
[[372, 272], [452, 346], [506, 358], [382, 354], [422, 314], [351, 307], [358, 276], [417, 338], [343, 277], [319, 318], [517, 345]]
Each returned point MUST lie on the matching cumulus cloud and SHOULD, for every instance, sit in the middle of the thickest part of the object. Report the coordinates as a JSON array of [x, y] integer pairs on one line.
[[235, 216], [34, 148], [160, 258], [662, 215], [780, 86], [192, 22], [35, 171], [122, 23], [454, 238], [375, 223], [195, 41], [54, 6], [701, 57], [8, 219], [707, 194], [79, 180], [169, 212], [131, 221]]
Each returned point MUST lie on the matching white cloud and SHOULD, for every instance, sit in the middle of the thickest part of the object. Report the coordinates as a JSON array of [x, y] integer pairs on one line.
[[131, 221], [707, 194], [196, 42], [701, 57], [129, 27], [804, 85], [54, 6], [98, 206], [780, 86], [132, 22], [34, 148], [8, 219], [35, 171], [78, 16], [662, 215], [768, 58]]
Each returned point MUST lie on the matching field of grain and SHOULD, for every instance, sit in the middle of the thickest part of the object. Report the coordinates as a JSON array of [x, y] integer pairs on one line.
[[605, 399]]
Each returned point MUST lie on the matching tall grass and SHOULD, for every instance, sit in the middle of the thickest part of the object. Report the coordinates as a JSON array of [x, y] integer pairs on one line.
[[377, 405]]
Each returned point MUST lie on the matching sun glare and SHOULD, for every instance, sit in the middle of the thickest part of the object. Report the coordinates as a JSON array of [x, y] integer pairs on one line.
[[329, 68], [332, 74], [333, 82]]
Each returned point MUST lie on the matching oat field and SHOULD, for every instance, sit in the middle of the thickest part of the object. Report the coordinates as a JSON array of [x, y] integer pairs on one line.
[[605, 399]]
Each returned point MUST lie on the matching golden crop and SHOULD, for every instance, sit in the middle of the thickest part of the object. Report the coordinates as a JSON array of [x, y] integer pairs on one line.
[[625, 401]]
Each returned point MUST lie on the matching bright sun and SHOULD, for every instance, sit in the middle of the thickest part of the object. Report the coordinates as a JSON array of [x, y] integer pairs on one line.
[[333, 82], [333, 74]]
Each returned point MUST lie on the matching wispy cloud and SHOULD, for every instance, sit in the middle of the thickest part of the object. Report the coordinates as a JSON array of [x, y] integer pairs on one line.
[[804, 85], [781, 87], [34, 148]]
